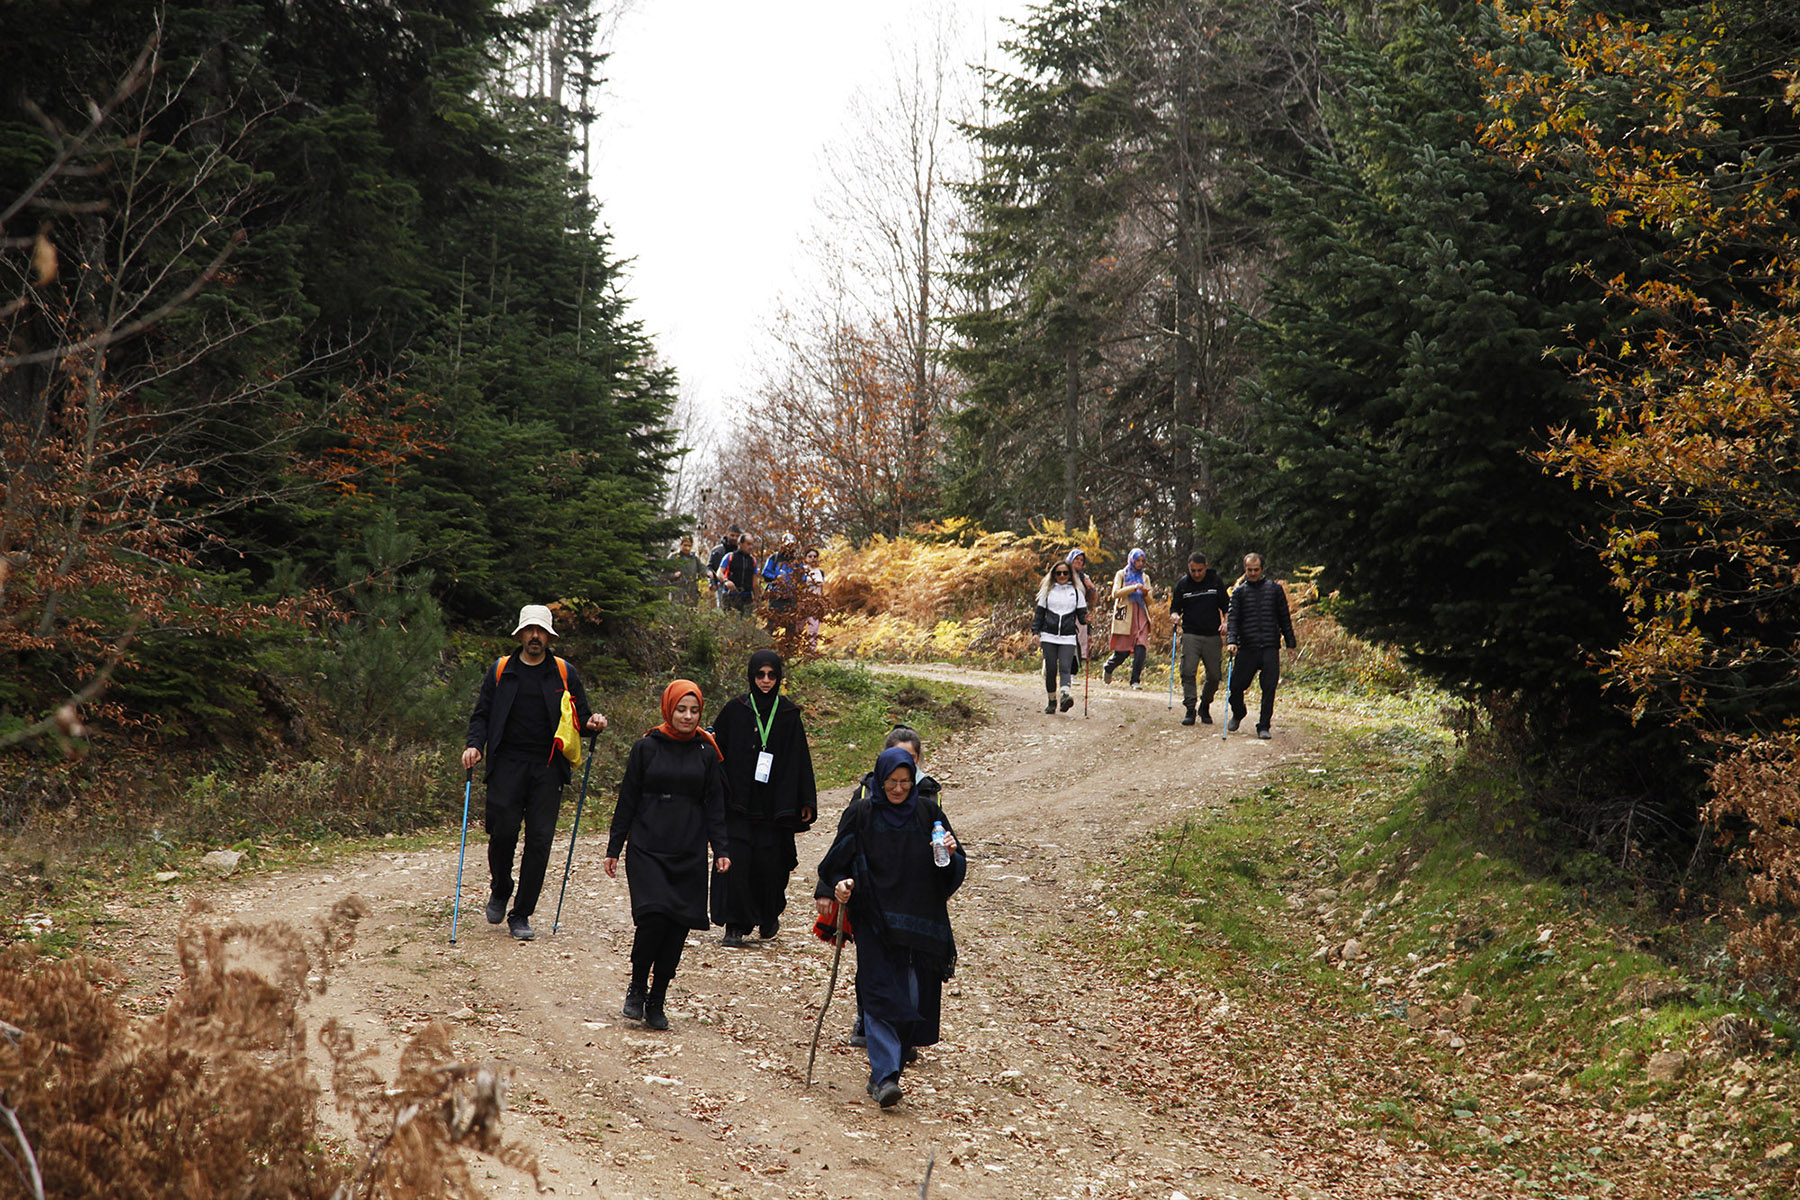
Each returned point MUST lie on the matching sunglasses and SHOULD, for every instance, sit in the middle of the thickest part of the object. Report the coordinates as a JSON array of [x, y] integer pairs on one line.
[[1059, 574], [765, 673]]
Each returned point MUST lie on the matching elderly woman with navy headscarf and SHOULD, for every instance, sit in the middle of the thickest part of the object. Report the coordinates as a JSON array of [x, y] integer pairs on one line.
[[881, 869], [1131, 633]]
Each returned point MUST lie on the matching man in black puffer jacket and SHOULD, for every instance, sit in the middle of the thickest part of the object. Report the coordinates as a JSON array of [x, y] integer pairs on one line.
[[1258, 624]]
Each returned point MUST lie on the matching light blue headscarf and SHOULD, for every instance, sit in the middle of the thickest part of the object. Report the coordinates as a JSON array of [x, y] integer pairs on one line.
[[1134, 575]]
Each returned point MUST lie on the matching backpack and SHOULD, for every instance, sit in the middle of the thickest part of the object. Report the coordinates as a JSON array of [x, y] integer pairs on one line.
[[567, 737]]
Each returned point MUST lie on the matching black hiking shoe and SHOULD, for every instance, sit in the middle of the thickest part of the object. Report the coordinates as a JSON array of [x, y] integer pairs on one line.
[[857, 1038], [1067, 702], [496, 908], [733, 938], [768, 929], [1206, 714], [654, 1017], [886, 1093], [520, 927], [1050, 705], [1189, 718], [1231, 725], [1262, 731], [634, 1003]]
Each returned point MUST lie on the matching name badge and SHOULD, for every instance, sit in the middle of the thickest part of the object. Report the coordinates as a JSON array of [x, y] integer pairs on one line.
[[764, 761]]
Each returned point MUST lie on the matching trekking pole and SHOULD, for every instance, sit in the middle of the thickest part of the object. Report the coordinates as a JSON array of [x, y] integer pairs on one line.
[[456, 899], [1174, 640], [572, 832], [1225, 725], [837, 952], [1087, 671]]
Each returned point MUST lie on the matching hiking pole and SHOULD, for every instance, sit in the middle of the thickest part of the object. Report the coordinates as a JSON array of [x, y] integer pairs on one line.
[[1087, 672], [837, 952], [1174, 640], [456, 900], [1225, 725], [572, 832]]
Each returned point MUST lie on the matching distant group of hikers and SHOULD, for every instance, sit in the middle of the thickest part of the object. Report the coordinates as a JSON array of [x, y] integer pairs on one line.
[[789, 579], [1250, 622], [705, 826]]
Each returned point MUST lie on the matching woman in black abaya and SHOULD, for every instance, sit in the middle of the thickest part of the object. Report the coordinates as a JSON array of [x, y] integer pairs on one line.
[[770, 796]]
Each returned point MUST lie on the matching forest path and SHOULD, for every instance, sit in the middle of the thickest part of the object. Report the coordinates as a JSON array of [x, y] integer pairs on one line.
[[1051, 1080]]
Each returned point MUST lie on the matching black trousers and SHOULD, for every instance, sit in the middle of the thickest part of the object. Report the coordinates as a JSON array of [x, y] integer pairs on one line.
[[754, 891], [656, 949], [1136, 654], [1250, 662], [529, 794]]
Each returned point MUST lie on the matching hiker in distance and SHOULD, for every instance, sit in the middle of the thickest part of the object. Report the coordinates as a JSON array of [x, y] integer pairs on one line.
[[770, 796], [1056, 624], [881, 870], [1199, 601], [671, 807], [1131, 630], [1090, 594], [513, 727], [737, 577], [727, 543], [1258, 624], [907, 738]]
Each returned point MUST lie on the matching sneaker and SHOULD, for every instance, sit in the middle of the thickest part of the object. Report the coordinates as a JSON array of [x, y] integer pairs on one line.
[[886, 1093], [1188, 719], [1067, 702], [634, 1004], [1050, 705], [768, 930], [1231, 725], [1262, 731], [496, 908], [654, 1017], [520, 927], [1137, 687]]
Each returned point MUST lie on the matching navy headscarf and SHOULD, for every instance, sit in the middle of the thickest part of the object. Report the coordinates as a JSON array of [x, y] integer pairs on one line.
[[893, 758]]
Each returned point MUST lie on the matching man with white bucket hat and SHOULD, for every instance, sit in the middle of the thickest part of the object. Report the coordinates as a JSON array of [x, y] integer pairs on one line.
[[514, 727]]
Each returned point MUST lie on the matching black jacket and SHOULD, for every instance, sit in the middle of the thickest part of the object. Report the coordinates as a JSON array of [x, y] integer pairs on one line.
[[671, 806], [1259, 616], [726, 546], [487, 724], [1201, 606], [900, 896], [790, 798]]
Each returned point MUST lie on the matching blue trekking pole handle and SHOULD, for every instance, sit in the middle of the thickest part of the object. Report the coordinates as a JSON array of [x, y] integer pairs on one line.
[[456, 900], [574, 831]]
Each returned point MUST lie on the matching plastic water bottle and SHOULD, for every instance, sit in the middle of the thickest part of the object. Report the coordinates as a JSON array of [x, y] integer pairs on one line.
[[940, 849]]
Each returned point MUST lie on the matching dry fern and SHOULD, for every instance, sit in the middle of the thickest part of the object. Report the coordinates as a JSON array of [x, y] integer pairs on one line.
[[214, 1097]]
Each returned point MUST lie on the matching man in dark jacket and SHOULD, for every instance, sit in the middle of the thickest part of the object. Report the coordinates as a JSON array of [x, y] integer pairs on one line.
[[1258, 624], [1199, 600], [513, 727], [727, 543]]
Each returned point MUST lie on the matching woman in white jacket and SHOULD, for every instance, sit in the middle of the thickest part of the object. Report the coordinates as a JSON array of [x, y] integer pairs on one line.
[[1061, 611]]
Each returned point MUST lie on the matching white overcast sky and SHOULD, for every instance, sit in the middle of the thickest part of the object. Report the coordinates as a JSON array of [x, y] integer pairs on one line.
[[709, 156]]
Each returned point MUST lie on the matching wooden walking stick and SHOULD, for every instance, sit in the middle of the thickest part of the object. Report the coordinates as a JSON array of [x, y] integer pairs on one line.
[[837, 953]]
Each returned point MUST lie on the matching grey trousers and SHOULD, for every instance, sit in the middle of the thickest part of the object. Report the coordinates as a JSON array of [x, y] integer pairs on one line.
[[1197, 648]]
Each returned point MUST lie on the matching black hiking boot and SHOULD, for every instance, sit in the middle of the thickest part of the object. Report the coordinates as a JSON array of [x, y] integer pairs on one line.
[[634, 1003], [1188, 719], [1050, 705], [1067, 702], [496, 906], [1206, 714], [654, 1017], [520, 927]]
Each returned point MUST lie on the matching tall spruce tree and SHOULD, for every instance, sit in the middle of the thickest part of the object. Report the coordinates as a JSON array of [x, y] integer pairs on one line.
[[1037, 263], [1405, 381]]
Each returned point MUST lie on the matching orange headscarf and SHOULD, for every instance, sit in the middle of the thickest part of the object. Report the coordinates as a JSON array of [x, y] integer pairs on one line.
[[670, 698]]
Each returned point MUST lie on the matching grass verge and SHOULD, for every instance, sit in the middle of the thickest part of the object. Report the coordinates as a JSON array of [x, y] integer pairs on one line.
[[1428, 989]]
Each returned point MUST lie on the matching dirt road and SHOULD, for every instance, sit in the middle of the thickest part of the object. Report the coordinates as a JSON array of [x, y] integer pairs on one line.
[[1028, 1096]]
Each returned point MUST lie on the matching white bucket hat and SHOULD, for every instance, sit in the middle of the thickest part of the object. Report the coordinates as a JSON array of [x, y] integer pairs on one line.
[[535, 614]]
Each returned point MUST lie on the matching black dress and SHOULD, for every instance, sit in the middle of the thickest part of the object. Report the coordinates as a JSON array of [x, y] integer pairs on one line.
[[762, 818], [671, 805]]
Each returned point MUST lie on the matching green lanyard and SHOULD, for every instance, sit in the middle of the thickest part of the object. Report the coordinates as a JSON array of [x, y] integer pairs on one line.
[[763, 727]]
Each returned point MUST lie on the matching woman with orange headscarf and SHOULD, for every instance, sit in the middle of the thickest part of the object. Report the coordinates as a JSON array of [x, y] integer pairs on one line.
[[671, 806]]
